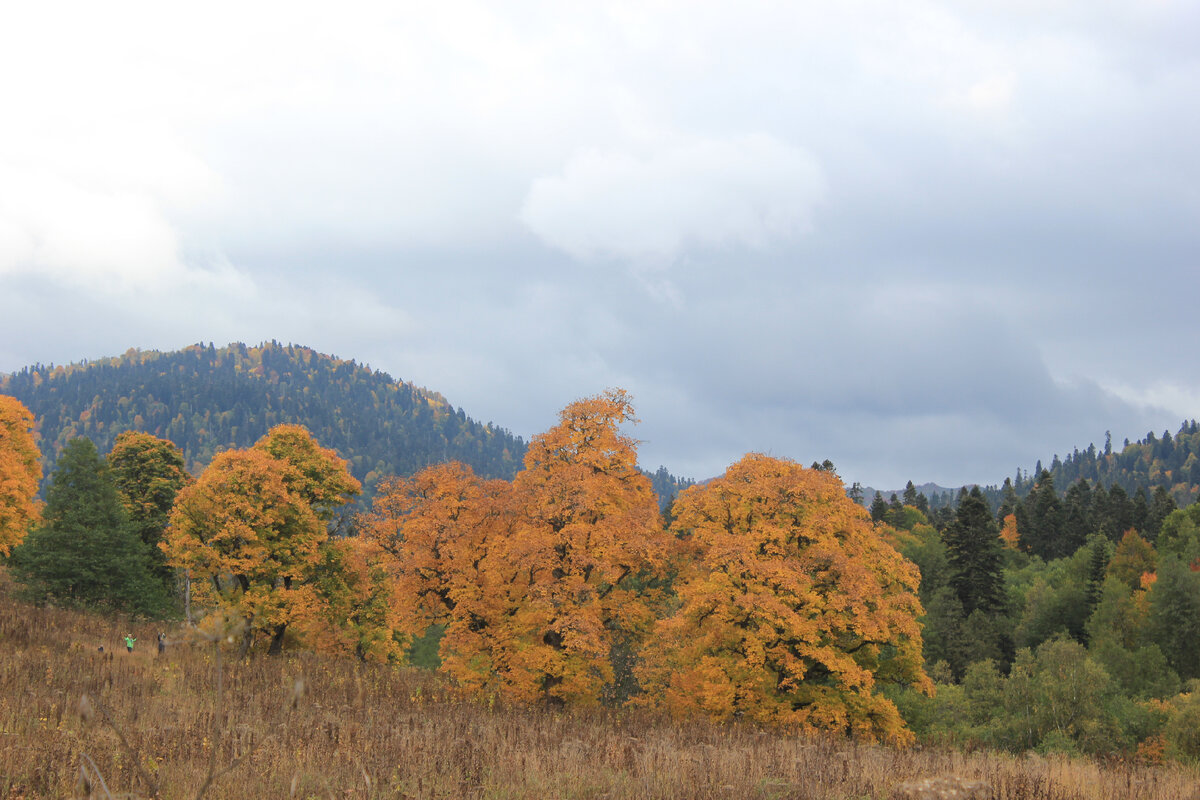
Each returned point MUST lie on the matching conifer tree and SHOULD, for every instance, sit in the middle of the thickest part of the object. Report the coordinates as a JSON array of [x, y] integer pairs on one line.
[[879, 508], [1161, 507], [974, 552], [87, 552], [1045, 519], [1075, 528]]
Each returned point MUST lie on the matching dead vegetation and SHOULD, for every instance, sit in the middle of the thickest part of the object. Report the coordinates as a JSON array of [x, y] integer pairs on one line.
[[316, 727]]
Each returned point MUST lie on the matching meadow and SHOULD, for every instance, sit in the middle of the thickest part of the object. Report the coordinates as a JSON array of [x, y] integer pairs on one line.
[[308, 726]]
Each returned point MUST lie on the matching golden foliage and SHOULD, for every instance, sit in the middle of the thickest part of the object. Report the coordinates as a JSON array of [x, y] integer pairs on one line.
[[1009, 534], [20, 472], [534, 580], [791, 610], [254, 523]]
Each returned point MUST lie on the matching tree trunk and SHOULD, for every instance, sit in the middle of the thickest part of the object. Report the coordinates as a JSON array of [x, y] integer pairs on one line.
[[277, 640]]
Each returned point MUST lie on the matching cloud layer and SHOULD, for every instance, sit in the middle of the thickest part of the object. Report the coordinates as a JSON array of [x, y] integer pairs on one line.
[[928, 241]]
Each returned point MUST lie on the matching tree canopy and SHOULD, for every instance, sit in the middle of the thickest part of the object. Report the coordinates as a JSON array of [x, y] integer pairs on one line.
[[86, 551], [253, 526], [20, 472], [791, 609]]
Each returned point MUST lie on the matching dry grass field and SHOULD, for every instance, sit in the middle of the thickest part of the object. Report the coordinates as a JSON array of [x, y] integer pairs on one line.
[[364, 731]]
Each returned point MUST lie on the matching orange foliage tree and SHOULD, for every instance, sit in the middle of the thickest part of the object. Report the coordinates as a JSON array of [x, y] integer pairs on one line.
[[538, 582], [792, 610], [586, 538], [254, 525], [353, 607], [437, 527], [20, 471]]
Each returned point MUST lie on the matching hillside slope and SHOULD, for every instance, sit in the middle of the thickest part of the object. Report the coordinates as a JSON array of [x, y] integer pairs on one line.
[[205, 399]]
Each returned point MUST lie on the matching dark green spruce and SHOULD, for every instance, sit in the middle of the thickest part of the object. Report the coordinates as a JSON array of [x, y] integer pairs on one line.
[[87, 553]]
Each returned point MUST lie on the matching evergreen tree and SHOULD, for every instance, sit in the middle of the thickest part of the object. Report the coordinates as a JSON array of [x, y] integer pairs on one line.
[[879, 508], [1099, 554], [974, 553], [87, 552], [1160, 508], [1008, 501], [1120, 513], [1141, 510], [1046, 520], [1076, 527]]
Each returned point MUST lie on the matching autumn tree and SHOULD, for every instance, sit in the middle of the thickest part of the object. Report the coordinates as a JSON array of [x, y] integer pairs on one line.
[[438, 527], [253, 526], [564, 571], [792, 609], [148, 473], [353, 607], [1134, 557], [316, 475], [87, 552], [20, 472]]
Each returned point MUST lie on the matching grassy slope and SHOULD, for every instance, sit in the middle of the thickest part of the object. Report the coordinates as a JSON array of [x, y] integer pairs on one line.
[[367, 731]]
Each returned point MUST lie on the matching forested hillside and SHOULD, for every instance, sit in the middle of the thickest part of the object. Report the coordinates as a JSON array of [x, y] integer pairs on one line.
[[1172, 462], [1138, 477], [205, 399]]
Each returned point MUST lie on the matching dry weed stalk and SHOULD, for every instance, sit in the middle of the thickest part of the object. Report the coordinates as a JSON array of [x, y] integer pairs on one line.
[[214, 631], [368, 731]]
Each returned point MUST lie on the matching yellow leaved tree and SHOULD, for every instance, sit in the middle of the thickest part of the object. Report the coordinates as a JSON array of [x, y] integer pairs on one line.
[[20, 471], [542, 581], [791, 610], [253, 526]]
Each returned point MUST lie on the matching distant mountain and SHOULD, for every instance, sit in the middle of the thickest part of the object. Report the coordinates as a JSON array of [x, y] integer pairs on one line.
[[205, 399], [1172, 462], [932, 492]]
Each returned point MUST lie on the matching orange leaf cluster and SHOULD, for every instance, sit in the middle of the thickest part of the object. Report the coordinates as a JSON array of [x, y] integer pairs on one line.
[[254, 524], [792, 608], [534, 579], [771, 596], [20, 472]]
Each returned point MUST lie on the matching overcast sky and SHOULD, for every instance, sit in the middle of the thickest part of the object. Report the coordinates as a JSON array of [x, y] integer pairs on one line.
[[925, 240]]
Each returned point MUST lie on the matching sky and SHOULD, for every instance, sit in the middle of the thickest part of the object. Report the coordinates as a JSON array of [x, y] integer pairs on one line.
[[935, 241]]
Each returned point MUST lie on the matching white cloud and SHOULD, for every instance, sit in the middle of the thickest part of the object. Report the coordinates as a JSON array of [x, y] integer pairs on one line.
[[745, 191], [992, 94]]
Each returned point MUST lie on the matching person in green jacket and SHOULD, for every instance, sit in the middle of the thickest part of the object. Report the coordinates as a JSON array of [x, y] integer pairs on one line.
[[129, 640]]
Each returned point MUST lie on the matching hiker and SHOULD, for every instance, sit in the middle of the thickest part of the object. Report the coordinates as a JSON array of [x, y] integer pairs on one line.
[[129, 640], [162, 643]]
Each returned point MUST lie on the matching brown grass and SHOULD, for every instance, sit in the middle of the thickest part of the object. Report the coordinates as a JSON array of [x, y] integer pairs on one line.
[[371, 732]]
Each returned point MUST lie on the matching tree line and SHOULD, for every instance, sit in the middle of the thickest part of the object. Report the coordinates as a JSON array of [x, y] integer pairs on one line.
[[767, 595], [1050, 622], [1057, 625]]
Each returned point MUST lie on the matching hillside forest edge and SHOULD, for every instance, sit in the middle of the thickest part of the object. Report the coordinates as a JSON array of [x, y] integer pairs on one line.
[[1059, 612]]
